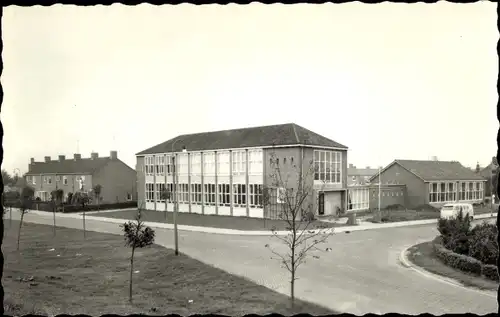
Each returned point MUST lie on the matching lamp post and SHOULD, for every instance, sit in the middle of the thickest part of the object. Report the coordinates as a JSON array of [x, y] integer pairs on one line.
[[176, 205], [379, 188]]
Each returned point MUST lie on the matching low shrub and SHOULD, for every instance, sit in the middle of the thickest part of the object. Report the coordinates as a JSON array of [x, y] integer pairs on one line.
[[120, 205], [395, 207], [458, 261], [427, 207], [491, 272], [455, 233], [483, 244]]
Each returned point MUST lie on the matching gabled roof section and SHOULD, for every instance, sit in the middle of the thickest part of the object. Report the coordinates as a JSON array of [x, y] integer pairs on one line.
[[436, 170], [69, 166], [264, 136]]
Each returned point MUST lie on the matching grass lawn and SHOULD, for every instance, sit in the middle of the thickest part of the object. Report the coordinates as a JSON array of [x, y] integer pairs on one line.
[[214, 221], [423, 256], [402, 215], [91, 277]]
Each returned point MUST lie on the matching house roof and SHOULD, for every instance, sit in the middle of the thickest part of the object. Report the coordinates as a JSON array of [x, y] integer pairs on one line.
[[436, 170], [264, 136], [69, 166], [353, 171]]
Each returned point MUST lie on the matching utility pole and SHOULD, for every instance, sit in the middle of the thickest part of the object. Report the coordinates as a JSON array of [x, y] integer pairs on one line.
[[379, 188]]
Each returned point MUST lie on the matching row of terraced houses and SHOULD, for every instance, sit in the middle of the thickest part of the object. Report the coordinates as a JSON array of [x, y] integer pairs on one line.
[[226, 172]]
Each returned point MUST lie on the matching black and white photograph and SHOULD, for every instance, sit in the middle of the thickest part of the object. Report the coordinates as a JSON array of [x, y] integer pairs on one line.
[[250, 159]]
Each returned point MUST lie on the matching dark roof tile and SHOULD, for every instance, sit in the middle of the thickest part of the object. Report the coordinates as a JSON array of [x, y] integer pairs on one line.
[[439, 170], [283, 134], [69, 166]]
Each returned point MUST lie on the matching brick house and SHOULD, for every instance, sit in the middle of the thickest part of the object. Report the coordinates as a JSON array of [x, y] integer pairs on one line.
[[434, 182], [359, 176], [118, 180], [225, 172]]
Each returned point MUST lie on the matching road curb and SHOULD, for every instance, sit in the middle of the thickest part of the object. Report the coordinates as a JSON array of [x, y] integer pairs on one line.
[[346, 229], [403, 259]]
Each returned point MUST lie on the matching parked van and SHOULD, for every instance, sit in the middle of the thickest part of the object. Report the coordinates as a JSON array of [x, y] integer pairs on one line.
[[451, 210]]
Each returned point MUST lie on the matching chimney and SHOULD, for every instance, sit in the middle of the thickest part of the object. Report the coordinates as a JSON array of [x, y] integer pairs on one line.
[[32, 161], [94, 155], [62, 158], [351, 166], [77, 156], [113, 155], [368, 167], [47, 159]]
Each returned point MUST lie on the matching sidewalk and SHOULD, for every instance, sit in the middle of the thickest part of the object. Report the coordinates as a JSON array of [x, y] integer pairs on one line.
[[363, 225]]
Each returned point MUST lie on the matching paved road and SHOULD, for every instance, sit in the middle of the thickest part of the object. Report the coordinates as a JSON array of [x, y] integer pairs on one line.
[[361, 275]]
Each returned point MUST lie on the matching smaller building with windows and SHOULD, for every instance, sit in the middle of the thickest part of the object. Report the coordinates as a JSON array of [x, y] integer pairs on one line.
[[77, 174], [433, 182]]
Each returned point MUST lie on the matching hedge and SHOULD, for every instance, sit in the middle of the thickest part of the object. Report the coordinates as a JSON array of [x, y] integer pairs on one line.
[[464, 263], [491, 272], [458, 261]]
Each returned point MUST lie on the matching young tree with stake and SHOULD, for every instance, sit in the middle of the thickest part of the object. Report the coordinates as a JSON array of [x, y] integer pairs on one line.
[[165, 195], [136, 235], [53, 202], [294, 203], [26, 201], [97, 193]]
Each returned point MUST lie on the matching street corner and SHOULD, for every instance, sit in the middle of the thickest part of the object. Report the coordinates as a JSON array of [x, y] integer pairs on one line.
[[403, 258]]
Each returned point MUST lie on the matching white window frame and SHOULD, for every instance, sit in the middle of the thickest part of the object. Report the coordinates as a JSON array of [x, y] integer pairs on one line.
[[224, 194], [327, 166], [159, 187], [209, 194], [149, 190], [239, 195], [360, 198], [239, 162], [195, 162], [49, 180], [209, 163], [196, 194], [256, 162], [58, 178], [223, 163], [183, 193], [255, 195]]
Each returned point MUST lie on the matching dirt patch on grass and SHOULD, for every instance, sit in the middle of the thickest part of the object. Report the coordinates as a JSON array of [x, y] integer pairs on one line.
[[213, 221], [70, 275], [423, 256]]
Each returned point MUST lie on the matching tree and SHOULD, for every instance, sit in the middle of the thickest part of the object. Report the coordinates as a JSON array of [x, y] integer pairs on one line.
[[82, 199], [294, 201], [165, 195], [53, 202], [136, 235], [60, 198], [7, 178], [478, 168], [97, 193], [26, 202]]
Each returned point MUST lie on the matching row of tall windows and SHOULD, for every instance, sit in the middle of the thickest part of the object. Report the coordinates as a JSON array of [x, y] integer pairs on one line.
[[192, 163], [165, 192], [447, 191]]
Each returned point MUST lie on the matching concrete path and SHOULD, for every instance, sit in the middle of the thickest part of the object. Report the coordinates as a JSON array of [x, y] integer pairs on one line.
[[360, 275]]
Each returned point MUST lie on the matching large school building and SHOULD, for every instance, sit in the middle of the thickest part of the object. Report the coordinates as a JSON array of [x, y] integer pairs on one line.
[[225, 172]]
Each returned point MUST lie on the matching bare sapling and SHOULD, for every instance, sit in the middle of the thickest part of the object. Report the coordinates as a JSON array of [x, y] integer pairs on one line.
[[26, 201], [291, 198], [136, 235]]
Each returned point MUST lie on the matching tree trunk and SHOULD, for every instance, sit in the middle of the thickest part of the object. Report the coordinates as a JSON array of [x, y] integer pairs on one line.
[[54, 216], [292, 287], [131, 273], [84, 229], [166, 210], [19, 232], [10, 217]]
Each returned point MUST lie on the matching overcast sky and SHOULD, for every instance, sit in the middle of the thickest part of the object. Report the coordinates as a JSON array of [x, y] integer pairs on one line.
[[387, 80]]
